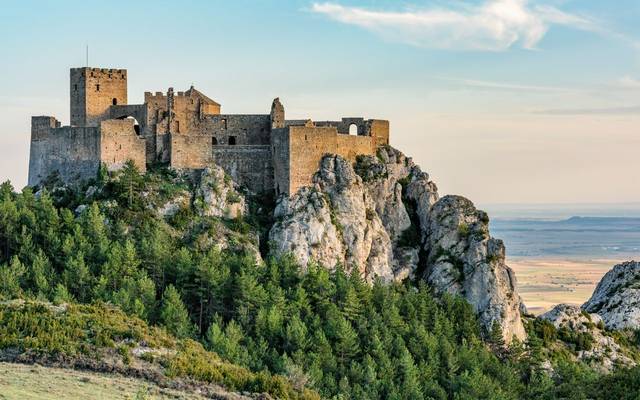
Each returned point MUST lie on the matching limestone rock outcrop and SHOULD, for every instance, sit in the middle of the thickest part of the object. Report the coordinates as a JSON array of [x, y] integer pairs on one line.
[[383, 216], [617, 297], [603, 353], [463, 259], [334, 222], [216, 195]]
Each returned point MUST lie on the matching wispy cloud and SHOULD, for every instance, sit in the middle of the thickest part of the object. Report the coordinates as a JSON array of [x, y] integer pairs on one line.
[[495, 25], [593, 111], [506, 86]]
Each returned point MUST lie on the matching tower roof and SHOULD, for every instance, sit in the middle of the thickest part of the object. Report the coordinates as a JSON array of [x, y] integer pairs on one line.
[[193, 92]]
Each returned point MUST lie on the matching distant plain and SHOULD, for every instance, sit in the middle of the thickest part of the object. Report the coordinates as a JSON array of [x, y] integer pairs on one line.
[[560, 253]]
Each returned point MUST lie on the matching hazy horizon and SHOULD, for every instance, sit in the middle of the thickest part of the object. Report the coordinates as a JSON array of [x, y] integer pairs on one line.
[[539, 105]]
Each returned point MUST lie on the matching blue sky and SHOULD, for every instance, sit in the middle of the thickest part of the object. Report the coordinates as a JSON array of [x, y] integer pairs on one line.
[[499, 100]]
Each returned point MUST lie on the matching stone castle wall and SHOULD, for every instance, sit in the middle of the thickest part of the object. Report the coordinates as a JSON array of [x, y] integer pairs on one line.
[[189, 151], [249, 166], [74, 152], [301, 148], [280, 148], [246, 129], [119, 143]]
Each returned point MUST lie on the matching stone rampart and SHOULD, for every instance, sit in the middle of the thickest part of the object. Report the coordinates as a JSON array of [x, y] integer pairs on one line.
[[249, 166]]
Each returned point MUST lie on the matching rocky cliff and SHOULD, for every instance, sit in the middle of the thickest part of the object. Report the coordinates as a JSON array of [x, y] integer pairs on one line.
[[601, 350], [383, 217], [617, 297]]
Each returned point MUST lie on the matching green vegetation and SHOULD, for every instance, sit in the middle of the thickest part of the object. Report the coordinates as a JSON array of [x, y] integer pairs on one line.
[[96, 331], [266, 327], [34, 382]]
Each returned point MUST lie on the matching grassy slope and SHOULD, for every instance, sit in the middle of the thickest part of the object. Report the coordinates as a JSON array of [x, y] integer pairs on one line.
[[27, 382], [100, 337]]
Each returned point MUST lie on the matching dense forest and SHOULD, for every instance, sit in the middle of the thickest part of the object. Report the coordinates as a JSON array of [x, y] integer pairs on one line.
[[326, 331]]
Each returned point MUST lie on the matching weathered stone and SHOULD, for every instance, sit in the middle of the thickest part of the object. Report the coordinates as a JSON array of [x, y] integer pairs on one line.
[[605, 354], [216, 195], [171, 207], [334, 222], [617, 297], [464, 260]]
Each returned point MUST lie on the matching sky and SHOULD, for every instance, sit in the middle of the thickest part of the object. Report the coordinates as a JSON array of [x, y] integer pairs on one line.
[[502, 101]]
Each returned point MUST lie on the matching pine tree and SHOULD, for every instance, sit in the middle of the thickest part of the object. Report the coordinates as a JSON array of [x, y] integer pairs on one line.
[[10, 279], [129, 185], [61, 295], [40, 274], [174, 315], [295, 337], [346, 344]]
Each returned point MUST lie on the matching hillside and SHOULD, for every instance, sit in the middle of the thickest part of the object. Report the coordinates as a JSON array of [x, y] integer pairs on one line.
[[365, 285], [35, 382], [101, 338]]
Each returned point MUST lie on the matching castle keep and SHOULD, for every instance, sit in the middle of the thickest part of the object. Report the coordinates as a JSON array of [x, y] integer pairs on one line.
[[187, 130]]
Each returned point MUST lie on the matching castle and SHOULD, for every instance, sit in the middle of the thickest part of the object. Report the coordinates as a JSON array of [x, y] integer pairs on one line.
[[186, 130]]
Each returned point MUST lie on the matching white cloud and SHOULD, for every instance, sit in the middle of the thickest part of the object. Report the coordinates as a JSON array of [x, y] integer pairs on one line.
[[495, 25], [628, 82]]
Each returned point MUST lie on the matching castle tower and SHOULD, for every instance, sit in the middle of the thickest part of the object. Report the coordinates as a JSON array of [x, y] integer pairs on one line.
[[277, 114], [93, 91]]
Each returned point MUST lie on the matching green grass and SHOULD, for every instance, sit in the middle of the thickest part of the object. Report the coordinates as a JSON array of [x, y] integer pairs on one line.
[[31, 382]]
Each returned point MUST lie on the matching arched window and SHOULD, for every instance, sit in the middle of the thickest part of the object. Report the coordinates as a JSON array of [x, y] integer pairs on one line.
[[214, 140], [353, 129], [136, 125], [232, 140], [114, 101]]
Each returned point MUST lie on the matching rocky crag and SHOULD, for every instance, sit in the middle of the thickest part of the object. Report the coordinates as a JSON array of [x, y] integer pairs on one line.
[[603, 353], [383, 217], [617, 297]]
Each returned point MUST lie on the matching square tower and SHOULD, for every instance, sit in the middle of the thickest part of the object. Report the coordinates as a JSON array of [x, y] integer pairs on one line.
[[93, 91]]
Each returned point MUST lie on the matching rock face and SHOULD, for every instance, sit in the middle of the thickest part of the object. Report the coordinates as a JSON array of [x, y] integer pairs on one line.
[[334, 222], [617, 297], [464, 260], [383, 217], [216, 195], [605, 353]]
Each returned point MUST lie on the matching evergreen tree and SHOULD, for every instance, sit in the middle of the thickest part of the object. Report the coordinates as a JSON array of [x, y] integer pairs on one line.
[[174, 315], [10, 279]]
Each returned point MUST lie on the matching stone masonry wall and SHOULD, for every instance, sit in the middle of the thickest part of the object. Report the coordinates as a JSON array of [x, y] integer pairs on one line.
[[249, 166], [190, 151], [281, 164], [71, 151], [93, 91], [247, 129], [119, 143], [308, 145]]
